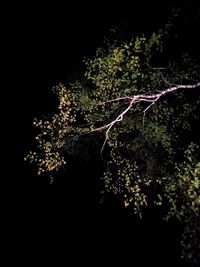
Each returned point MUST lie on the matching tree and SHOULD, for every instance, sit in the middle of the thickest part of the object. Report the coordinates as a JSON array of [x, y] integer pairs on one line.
[[141, 116]]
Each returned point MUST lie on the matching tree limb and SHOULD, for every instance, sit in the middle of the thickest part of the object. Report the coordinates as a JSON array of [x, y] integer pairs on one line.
[[132, 100]]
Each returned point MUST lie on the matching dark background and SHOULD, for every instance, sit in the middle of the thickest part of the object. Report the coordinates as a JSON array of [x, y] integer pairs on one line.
[[64, 221]]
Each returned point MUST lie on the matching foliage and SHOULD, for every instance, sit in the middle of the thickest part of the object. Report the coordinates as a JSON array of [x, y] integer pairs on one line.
[[186, 184], [147, 155]]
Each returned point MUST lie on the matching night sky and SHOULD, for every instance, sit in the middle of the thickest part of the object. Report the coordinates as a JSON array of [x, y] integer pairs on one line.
[[45, 44]]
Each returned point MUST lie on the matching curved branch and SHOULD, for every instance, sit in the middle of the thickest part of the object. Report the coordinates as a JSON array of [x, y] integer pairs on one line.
[[132, 100]]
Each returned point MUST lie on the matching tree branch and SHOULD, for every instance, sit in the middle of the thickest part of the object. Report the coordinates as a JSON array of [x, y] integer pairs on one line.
[[132, 100]]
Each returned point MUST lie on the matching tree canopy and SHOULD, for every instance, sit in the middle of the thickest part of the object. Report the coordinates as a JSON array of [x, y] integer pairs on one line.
[[138, 105]]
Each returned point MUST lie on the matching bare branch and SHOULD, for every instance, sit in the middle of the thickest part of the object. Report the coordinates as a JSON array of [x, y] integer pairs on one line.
[[132, 100], [156, 68]]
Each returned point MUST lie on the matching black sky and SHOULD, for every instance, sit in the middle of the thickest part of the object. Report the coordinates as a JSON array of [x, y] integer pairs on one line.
[[44, 43], [47, 42]]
